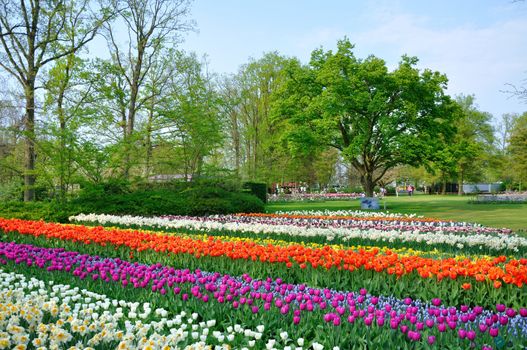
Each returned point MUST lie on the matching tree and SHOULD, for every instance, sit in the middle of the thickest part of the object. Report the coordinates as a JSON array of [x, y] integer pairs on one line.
[[501, 164], [157, 84], [248, 97], [518, 149], [190, 122], [230, 112], [519, 92], [11, 153], [377, 119], [504, 130], [32, 35], [68, 103], [473, 141], [149, 24]]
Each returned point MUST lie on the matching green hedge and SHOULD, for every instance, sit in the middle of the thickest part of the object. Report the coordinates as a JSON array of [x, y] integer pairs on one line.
[[193, 199], [257, 189], [48, 211], [119, 199]]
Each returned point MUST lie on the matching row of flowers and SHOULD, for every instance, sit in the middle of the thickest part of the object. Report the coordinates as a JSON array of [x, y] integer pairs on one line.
[[401, 251], [329, 230], [41, 314], [411, 272], [350, 213], [294, 197], [296, 307], [361, 222]]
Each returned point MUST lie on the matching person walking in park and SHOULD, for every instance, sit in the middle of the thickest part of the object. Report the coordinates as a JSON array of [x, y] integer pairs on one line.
[[410, 190]]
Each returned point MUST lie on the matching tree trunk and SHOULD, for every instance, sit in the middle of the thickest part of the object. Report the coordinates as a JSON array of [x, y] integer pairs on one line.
[[148, 166], [62, 160], [62, 146], [149, 139], [236, 141], [255, 156], [367, 184], [29, 156], [443, 186], [460, 183], [126, 159], [132, 108]]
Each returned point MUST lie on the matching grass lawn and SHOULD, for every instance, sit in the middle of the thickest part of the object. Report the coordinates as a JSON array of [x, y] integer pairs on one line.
[[452, 207]]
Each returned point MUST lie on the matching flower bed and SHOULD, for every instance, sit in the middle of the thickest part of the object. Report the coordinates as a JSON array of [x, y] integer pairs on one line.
[[193, 287], [415, 274], [334, 229], [40, 313], [312, 197], [501, 198], [288, 304]]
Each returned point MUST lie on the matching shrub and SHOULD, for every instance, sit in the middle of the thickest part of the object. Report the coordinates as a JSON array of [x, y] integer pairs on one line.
[[117, 197], [11, 191], [258, 189], [48, 211], [177, 198]]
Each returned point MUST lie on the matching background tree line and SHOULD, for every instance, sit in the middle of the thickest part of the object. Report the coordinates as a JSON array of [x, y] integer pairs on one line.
[[150, 109]]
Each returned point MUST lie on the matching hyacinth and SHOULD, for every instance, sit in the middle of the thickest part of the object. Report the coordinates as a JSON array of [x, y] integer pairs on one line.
[[292, 301]]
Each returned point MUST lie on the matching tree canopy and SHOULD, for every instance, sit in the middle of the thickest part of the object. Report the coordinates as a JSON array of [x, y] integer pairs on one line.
[[376, 118]]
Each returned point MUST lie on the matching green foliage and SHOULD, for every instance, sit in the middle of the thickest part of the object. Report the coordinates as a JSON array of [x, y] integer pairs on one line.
[[108, 187], [228, 184], [10, 191], [118, 197], [200, 197], [518, 149], [377, 119], [48, 211], [257, 150], [197, 200], [206, 201], [257, 189]]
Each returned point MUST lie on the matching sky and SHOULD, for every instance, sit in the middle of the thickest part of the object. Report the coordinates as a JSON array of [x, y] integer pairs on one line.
[[481, 45]]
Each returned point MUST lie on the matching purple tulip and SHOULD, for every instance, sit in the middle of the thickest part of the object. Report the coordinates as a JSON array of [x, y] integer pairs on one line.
[[493, 332], [431, 339], [462, 334]]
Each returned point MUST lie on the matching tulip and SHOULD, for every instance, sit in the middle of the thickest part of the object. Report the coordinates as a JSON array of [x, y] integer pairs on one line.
[[493, 332], [431, 339]]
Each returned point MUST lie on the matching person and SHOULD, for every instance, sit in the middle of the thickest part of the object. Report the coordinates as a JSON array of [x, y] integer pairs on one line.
[[410, 190], [383, 191]]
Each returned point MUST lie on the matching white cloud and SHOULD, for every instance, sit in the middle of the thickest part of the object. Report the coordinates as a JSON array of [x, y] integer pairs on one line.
[[479, 60]]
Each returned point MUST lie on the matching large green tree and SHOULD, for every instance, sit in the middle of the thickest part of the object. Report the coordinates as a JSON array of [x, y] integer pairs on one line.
[[376, 118]]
